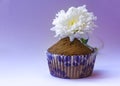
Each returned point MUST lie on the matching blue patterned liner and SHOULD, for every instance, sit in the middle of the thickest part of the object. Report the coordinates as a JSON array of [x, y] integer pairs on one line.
[[71, 67]]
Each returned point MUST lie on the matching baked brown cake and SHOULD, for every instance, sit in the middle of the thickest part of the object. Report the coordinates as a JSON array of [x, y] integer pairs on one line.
[[65, 47]]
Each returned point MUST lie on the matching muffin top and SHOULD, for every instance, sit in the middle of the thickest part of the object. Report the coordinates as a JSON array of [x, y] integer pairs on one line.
[[66, 47]]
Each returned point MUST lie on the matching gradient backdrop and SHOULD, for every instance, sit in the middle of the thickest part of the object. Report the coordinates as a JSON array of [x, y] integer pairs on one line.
[[25, 36]]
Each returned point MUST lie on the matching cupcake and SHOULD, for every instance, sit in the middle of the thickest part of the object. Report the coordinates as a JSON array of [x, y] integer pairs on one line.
[[71, 57]]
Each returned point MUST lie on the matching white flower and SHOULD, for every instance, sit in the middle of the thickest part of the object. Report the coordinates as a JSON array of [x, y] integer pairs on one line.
[[75, 23]]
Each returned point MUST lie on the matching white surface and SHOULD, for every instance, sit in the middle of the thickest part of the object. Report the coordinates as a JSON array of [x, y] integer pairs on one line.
[[36, 73]]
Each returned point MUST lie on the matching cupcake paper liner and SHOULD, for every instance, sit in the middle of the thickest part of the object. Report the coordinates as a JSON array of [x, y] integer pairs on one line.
[[71, 67]]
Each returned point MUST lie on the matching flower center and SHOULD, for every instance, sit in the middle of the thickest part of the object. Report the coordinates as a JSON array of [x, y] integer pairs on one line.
[[72, 22]]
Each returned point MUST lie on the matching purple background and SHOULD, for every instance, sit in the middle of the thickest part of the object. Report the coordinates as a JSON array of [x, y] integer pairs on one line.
[[25, 34]]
